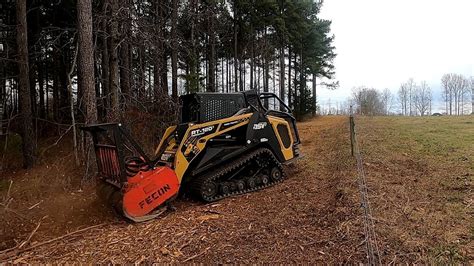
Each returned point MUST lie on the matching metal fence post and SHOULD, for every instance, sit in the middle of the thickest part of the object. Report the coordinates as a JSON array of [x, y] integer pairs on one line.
[[352, 127]]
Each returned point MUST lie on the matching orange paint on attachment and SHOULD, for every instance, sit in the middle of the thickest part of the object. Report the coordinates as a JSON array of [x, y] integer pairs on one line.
[[148, 190]]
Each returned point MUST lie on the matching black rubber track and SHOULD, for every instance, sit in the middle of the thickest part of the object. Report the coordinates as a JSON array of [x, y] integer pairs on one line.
[[218, 175]]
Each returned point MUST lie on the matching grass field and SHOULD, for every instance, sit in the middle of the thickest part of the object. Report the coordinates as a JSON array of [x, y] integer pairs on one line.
[[420, 171]]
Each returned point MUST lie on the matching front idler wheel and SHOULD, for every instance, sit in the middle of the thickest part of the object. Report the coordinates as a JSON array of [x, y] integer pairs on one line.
[[209, 190]]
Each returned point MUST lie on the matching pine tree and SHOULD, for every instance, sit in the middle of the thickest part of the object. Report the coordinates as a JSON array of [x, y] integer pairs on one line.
[[28, 138]]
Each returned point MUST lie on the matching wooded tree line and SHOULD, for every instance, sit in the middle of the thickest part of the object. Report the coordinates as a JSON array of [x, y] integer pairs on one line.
[[68, 62], [456, 91], [413, 98], [370, 101], [457, 95]]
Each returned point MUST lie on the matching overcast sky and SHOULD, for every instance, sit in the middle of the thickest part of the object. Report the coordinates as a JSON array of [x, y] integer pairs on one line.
[[382, 43]]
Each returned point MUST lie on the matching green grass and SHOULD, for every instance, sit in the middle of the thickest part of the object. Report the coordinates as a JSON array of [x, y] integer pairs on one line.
[[445, 255], [433, 136], [425, 165]]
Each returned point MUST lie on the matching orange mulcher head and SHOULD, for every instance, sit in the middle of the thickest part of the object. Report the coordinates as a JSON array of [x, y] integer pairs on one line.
[[147, 192]]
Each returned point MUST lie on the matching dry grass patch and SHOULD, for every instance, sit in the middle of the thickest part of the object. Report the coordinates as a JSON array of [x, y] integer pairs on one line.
[[420, 172]]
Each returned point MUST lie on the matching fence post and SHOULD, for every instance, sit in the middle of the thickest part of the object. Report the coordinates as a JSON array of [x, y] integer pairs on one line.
[[352, 132]]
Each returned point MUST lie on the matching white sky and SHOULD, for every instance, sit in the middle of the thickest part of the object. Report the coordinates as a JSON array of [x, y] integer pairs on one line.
[[382, 43]]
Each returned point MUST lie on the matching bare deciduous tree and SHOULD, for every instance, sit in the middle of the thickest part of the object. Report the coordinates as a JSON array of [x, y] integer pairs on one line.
[[472, 95], [422, 98], [368, 101], [455, 89], [446, 83], [411, 85], [387, 100], [403, 95]]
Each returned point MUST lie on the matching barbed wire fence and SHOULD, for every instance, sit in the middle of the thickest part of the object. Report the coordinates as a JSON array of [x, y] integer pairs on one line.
[[372, 249]]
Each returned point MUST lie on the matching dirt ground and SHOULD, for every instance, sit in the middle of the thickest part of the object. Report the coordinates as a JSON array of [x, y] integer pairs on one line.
[[313, 216]]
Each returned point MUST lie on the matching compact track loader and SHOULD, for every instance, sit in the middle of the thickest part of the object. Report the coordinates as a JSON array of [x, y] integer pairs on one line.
[[225, 144]]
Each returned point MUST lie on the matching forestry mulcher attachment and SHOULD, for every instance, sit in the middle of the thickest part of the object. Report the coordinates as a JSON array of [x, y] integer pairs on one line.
[[225, 144]]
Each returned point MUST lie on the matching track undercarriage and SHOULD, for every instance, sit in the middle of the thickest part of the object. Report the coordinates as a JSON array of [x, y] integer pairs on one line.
[[254, 171]]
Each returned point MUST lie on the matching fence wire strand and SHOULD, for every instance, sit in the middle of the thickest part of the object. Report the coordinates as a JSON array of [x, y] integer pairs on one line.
[[372, 249]]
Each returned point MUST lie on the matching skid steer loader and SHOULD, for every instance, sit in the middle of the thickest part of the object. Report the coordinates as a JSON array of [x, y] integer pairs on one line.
[[225, 144]]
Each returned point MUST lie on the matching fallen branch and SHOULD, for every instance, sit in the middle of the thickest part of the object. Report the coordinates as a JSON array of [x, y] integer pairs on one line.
[[15, 252], [56, 142], [195, 256], [7, 197], [35, 205], [24, 242], [30, 236]]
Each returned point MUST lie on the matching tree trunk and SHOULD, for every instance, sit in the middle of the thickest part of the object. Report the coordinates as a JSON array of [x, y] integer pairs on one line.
[[28, 139], [174, 50], [64, 114], [46, 90], [125, 56], [41, 111], [32, 79], [164, 72], [265, 65], [265, 78], [302, 82], [289, 79], [125, 71], [104, 61], [85, 69], [236, 54], [211, 86], [222, 74], [244, 83], [472, 95], [266, 68], [252, 61], [3, 97], [56, 87], [446, 99], [282, 75], [141, 72], [241, 85], [71, 106], [295, 82], [158, 85], [114, 82], [227, 76], [274, 77], [314, 94]]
